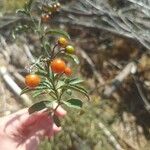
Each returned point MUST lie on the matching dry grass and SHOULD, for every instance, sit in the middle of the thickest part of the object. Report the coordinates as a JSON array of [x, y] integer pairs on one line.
[[11, 5]]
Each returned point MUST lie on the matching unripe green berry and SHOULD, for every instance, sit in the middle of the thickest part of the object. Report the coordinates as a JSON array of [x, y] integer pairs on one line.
[[70, 49]]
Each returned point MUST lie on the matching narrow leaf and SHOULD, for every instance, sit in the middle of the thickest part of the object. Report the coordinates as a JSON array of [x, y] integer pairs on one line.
[[37, 93], [39, 67], [76, 81], [71, 57], [75, 58], [30, 4], [59, 32], [74, 103], [25, 90], [47, 84], [80, 90], [41, 73], [39, 106], [21, 11], [60, 84]]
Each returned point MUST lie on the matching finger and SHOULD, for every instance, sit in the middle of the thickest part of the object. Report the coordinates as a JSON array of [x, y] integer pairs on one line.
[[33, 118], [15, 119], [53, 131], [39, 124], [18, 113], [56, 129], [59, 111]]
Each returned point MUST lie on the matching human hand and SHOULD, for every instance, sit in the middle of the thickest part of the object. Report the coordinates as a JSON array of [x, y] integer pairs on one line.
[[21, 131]]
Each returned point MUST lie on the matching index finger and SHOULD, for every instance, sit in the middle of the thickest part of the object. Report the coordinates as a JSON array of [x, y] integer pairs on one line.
[[60, 112]]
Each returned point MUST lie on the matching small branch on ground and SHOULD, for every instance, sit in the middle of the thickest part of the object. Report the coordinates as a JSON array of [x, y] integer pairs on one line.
[[110, 137], [97, 74], [118, 80], [13, 86]]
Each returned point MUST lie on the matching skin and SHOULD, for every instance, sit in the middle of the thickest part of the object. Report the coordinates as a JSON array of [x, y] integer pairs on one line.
[[21, 131]]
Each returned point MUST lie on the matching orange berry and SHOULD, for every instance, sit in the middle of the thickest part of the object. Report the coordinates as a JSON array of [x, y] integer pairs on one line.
[[45, 17], [68, 71], [58, 65], [62, 42], [32, 80]]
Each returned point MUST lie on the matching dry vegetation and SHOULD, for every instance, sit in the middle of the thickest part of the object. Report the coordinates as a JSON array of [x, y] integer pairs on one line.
[[111, 120]]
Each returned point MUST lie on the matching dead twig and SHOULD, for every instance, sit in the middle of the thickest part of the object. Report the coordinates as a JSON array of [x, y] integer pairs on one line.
[[28, 53], [97, 74], [146, 102], [3, 99], [110, 137], [13, 86], [117, 81]]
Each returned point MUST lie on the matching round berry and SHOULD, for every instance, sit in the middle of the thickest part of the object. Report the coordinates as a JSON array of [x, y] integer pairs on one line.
[[70, 49], [45, 17], [68, 71], [58, 65], [62, 42], [32, 80], [54, 8]]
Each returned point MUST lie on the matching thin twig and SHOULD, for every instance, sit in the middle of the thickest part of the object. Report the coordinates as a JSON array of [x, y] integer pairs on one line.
[[28, 53], [13, 86], [92, 65], [117, 81], [146, 102], [110, 137]]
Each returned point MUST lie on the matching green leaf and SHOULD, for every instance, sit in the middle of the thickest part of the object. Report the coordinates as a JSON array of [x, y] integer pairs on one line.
[[39, 67], [60, 84], [56, 120], [59, 32], [39, 106], [25, 90], [47, 84], [75, 58], [29, 4], [41, 73], [76, 81], [75, 88], [37, 93], [71, 57], [79, 89], [41, 87], [74, 103], [21, 11]]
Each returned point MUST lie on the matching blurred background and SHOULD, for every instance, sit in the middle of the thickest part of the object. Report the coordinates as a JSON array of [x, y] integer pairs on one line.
[[112, 40]]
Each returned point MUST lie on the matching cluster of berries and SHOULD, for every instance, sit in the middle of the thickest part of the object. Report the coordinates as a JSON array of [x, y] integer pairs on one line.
[[49, 11], [57, 65]]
